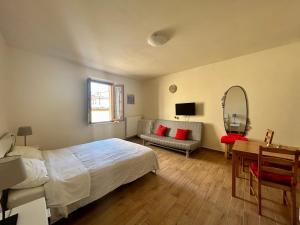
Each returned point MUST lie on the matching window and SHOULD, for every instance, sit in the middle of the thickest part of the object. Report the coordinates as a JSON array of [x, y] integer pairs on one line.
[[106, 101]]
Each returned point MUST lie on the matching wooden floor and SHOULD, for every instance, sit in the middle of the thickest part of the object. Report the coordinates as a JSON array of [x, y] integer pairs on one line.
[[184, 192]]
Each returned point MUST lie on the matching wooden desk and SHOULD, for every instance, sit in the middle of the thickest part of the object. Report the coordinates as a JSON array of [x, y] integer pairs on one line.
[[249, 150]]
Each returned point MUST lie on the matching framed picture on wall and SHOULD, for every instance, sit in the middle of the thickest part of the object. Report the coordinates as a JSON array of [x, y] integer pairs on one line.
[[130, 99]]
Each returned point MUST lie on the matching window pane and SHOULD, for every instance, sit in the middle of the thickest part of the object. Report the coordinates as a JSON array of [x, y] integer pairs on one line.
[[101, 109]]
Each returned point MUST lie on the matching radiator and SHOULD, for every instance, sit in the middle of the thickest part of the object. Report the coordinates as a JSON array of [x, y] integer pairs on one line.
[[131, 126]]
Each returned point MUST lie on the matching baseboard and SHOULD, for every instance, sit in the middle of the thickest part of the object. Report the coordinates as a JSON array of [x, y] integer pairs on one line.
[[131, 137], [211, 149]]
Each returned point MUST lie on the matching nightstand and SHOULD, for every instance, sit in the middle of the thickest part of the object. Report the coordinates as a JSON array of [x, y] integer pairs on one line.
[[31, 213]]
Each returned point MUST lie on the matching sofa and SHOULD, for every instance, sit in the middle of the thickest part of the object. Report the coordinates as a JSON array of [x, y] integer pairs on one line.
[[168, 141]]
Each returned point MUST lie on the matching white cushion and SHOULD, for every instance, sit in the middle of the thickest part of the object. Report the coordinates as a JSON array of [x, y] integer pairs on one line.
[[36, 174], [26, 152], [6, 142]]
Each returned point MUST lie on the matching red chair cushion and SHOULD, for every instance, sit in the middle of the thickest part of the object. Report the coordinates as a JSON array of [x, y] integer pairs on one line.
[[161, 130], [272, 177], [181, 134], [232, 137]]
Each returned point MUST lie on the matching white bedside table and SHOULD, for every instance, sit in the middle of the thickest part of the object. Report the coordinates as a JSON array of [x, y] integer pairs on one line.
[[31, 213]]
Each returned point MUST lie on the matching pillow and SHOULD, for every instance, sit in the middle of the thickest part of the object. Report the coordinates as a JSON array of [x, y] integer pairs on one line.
[[26, 152], [6, 142], [181, 134], [36, 174], [161, 130]]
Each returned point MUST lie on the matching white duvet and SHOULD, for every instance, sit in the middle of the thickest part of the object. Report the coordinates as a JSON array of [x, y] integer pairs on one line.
[[69, 179], [84, 173]]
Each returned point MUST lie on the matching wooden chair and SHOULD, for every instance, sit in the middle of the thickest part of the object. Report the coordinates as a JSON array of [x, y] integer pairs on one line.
[[266, 172], [268, 140], [269, 137]]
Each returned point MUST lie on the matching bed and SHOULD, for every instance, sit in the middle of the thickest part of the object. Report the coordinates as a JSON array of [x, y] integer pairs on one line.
[[84, 173]]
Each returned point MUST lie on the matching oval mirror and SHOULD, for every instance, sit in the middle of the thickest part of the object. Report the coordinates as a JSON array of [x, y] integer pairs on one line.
[[235, 110]]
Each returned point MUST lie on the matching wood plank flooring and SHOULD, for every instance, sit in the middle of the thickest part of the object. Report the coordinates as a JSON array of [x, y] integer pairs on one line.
[[194, 191]]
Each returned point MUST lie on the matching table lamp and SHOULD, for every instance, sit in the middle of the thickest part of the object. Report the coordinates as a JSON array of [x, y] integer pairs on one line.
[[12, 172], [24, 131]]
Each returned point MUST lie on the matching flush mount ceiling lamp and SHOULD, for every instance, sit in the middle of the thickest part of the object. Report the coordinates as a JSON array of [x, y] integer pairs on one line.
[[157, 39]]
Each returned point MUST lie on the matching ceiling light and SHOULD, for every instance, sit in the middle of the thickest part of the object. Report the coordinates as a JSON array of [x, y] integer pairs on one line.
[[157, 39]]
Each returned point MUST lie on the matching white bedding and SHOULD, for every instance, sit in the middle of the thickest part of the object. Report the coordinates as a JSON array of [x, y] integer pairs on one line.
[[22, 196], [110, 163], [69, 178]]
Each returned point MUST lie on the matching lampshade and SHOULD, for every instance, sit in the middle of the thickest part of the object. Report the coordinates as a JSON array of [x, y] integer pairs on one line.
[[12, 172], [24, 131]]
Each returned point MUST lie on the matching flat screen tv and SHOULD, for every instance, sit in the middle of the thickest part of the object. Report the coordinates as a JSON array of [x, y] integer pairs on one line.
[[186, 109]]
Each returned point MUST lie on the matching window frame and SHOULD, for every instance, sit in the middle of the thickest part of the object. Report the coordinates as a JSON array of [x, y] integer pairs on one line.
[[114, 103], [112, 100]]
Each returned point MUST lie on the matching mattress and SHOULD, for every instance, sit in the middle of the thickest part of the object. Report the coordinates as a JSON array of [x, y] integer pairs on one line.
[[22, 196], [111, 163], [119, 162]]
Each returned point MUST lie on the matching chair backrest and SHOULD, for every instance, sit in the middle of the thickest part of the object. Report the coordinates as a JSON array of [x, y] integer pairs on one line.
[[269, 137], [276, 160]]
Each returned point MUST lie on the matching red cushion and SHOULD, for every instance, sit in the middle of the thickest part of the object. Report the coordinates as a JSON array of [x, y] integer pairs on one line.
[[161, 130], [181, 134], [232, 137], [272, 177]]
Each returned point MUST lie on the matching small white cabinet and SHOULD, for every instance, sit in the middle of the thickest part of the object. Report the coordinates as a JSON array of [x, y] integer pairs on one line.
[[31, 213]]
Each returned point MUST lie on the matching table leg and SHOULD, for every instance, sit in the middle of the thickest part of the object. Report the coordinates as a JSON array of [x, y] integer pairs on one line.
[[237, 166], [233, 173]]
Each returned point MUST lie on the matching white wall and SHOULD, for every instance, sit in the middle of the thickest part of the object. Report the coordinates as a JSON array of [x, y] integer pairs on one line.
[[3, 94], [271, 79], [50, 95]]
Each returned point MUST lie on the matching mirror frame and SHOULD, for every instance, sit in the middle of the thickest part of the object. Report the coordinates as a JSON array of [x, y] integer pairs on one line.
[[247, 126]]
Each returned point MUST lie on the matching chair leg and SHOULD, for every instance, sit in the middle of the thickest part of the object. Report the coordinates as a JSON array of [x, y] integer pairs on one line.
[[293, 206], [259, 198], [226, 151], [284, 197], [251, 183], [243, 164], [238, 167]]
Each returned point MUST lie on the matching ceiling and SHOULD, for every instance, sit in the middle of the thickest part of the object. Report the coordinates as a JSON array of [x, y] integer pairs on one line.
[[111, 35]]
